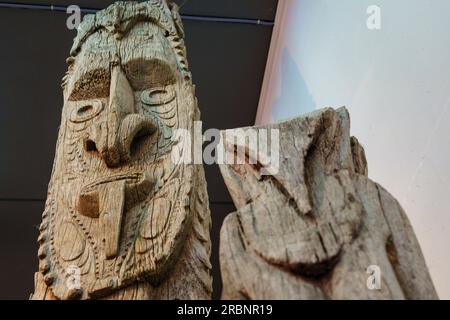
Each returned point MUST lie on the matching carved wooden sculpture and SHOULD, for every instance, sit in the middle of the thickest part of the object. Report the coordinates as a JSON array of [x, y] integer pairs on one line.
[[130, 222], [312, 230]]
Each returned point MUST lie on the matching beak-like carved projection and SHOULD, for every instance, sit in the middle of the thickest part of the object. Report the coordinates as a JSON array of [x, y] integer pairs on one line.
[[124, 125]]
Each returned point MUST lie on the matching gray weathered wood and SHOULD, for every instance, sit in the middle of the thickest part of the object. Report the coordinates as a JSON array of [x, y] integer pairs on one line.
[[312, 230], [121, 216]]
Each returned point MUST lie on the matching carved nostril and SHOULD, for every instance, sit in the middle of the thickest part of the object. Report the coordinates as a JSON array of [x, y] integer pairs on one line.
[[91, 147], [139, 140]]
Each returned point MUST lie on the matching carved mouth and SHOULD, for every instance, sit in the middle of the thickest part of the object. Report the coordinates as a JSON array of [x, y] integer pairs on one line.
[[107, 200], [129, 178], [137, 188]]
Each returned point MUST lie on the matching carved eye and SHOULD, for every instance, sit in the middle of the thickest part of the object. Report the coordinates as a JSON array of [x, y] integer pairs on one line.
[[157, 96], [86, 110]]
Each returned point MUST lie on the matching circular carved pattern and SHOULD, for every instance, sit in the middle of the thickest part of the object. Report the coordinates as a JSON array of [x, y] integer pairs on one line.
[[157, 219], [71, 243], [157, 96], [86, 110]]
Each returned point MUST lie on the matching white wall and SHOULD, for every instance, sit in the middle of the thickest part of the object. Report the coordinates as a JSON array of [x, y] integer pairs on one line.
[[395, 83]]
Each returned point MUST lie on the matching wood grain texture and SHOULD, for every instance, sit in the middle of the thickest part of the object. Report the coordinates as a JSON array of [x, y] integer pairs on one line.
[[122, 220], [311, 230]]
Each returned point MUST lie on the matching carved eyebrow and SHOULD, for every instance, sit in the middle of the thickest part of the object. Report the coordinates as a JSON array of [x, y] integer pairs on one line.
[[92, 85], [144, 74]]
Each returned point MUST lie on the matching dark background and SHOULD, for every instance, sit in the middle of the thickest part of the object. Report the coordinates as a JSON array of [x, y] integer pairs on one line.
[[227, 61]]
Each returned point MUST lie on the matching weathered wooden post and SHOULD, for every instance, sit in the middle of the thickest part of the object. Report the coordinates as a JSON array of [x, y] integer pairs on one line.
[[314, 226], [122, 220]]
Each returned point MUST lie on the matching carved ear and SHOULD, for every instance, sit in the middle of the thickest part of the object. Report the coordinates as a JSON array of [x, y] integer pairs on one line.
[[177, 18]]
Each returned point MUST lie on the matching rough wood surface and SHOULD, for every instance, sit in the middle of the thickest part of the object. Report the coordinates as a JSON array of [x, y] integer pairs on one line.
[[313, 229], [120, 215]]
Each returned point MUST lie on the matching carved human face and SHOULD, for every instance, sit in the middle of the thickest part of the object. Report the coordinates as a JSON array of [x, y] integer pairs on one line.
[[119, 203]]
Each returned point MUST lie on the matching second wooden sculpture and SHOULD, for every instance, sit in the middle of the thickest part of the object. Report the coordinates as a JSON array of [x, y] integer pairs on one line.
[[317, 227]]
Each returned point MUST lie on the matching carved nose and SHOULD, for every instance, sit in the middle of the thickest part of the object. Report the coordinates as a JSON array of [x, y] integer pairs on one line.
[[123, 128]]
